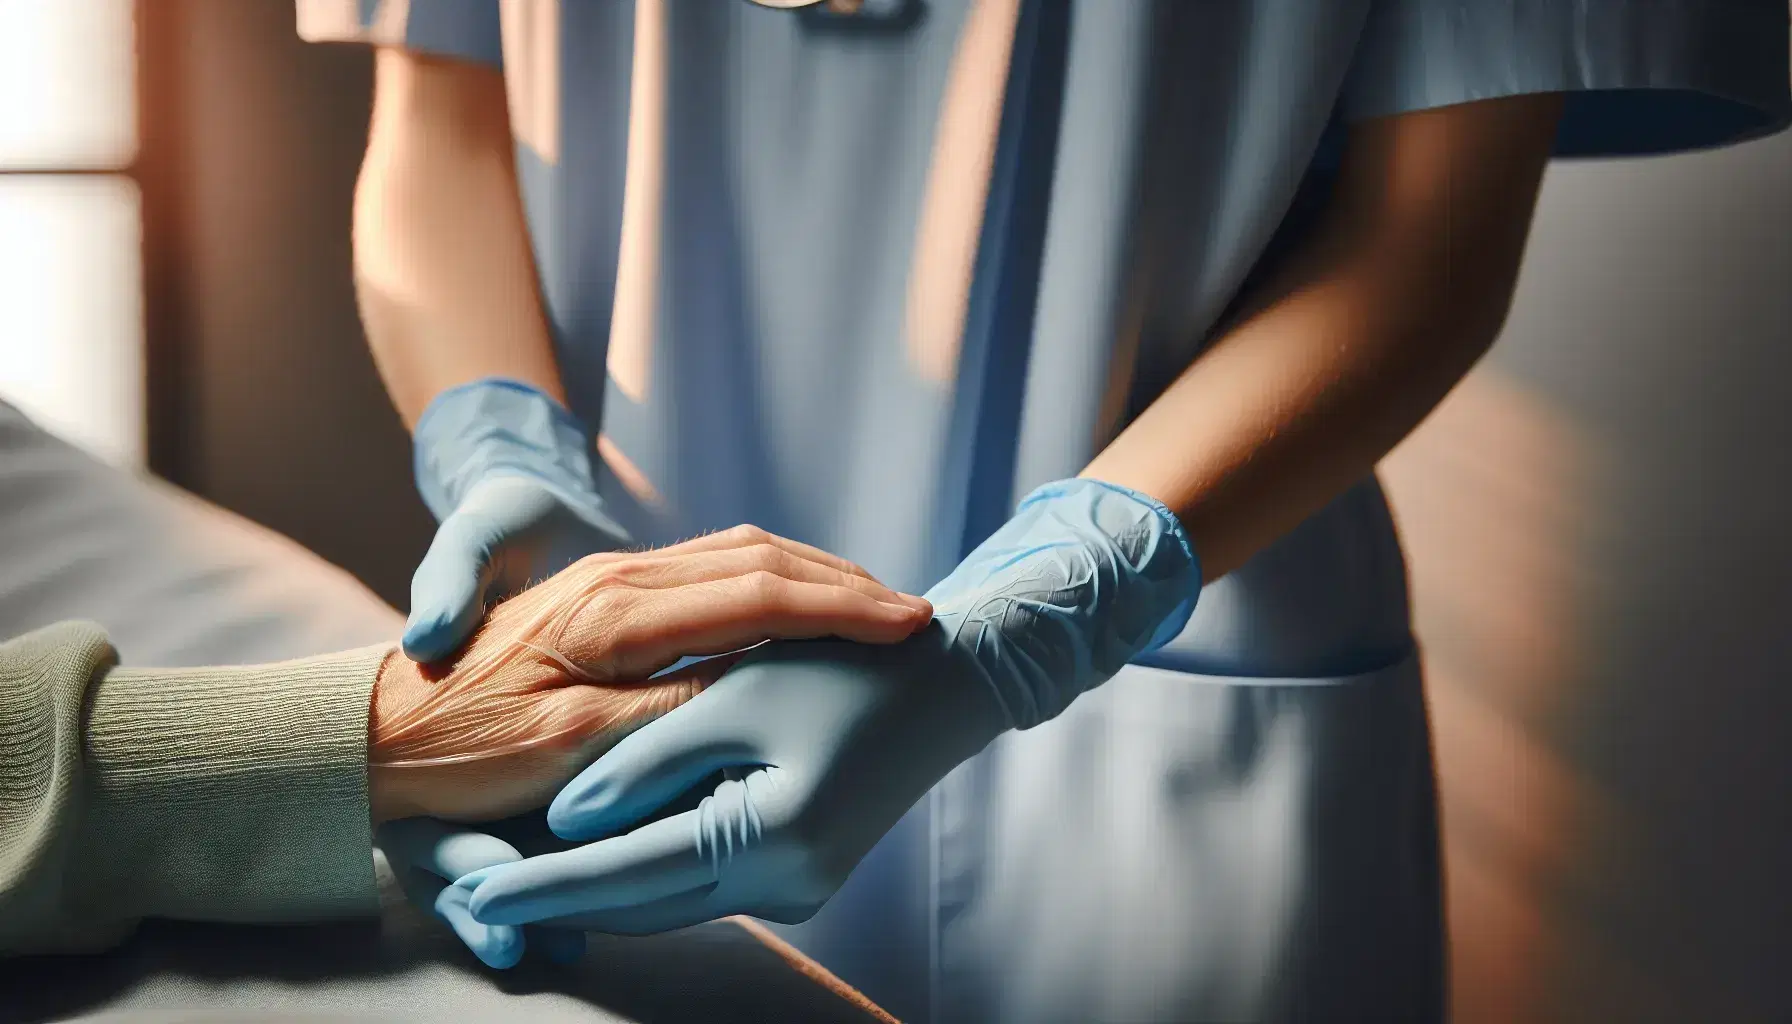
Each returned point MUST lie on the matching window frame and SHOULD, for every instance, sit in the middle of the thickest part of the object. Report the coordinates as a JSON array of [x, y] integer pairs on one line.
[[129, 170]]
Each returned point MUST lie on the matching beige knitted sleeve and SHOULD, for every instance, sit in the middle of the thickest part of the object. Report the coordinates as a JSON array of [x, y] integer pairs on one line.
[[213, 794]]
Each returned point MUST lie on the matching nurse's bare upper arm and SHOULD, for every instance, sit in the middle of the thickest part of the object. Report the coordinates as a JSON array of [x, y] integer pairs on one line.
[[1450, 191], [444, 270], [453, 102]]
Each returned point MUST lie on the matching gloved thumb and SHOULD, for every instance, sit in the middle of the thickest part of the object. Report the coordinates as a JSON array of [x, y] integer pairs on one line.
[[426, 855], [648, 769], [448, 589]]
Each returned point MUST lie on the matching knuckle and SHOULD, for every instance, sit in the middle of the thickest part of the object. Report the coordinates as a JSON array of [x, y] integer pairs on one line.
[[628, 572], [608, 604], [747, 533], [763, 587], [596, 562], [770, 557]]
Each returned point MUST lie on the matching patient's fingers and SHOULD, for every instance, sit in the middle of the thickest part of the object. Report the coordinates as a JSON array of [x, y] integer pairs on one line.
[[658, 571], [632, 614], [630, 633], [745, 535], [580, 714]]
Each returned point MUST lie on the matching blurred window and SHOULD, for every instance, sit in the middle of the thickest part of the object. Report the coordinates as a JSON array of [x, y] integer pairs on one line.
[[71, 283]]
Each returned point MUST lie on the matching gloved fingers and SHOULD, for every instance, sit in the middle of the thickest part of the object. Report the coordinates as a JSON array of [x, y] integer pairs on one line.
[[559, 944], [725, 615], [444, 850], [683, 910], [499, 947], [656, 861], [449, 587], [747, 535], [496, 946], [426, 855], [651, 767]]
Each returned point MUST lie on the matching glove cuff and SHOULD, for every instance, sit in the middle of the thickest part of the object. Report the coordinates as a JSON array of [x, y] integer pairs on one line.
[[1086, 577], [496, 426], [1168, 529]]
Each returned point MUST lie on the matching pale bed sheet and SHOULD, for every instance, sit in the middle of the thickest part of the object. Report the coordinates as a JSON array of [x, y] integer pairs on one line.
[[177, 581]]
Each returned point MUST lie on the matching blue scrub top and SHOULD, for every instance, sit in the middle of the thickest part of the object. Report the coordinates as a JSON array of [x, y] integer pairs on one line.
[[767, 363], [863, 279]]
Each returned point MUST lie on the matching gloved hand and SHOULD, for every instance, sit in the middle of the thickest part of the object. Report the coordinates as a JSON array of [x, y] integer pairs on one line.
[[426, 855], [506, 470], [559, 673], [829, 744]]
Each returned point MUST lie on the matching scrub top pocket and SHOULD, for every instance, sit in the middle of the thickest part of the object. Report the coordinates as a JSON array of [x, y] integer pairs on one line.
[[1244, 829], [1187, 847]]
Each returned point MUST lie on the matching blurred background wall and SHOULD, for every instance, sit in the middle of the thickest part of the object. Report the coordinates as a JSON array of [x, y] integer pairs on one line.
[[1598, 523], [1598, 519], [264, 397]]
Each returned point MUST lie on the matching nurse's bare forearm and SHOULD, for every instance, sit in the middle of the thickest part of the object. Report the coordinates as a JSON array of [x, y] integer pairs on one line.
[[1401, 289], [443, 269]]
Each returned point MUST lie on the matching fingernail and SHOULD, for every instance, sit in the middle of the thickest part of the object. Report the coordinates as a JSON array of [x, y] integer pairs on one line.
[[911, 607]]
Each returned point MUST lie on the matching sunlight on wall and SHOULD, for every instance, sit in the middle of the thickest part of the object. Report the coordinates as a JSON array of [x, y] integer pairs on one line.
[[66, 96], [71, 350], [1497, 495], [71, 334]]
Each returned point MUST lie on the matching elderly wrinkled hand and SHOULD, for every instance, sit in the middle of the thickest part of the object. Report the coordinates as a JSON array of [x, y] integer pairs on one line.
[[561, 672], [829, 744]]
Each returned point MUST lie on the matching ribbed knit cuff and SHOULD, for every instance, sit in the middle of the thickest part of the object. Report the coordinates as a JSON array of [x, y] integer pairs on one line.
[[231, 794]]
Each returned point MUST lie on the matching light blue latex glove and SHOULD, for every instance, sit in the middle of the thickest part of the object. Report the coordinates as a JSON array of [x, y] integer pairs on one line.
[[506, 470], [827, 744], [426, 855]]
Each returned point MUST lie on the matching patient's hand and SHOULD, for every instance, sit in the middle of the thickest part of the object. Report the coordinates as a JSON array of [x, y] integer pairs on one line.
[[559, 673]]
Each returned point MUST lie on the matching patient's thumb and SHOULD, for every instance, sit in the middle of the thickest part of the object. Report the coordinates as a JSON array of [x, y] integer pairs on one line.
[[604, 714], [448, 590], [698, 675]]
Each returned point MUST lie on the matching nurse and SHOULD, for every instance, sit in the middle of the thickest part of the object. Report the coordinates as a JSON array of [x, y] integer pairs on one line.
[[1089, 319]]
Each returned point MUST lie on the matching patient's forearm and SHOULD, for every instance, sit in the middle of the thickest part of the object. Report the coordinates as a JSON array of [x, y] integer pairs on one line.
[[443, 269], [215, 794], [242, 794]]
